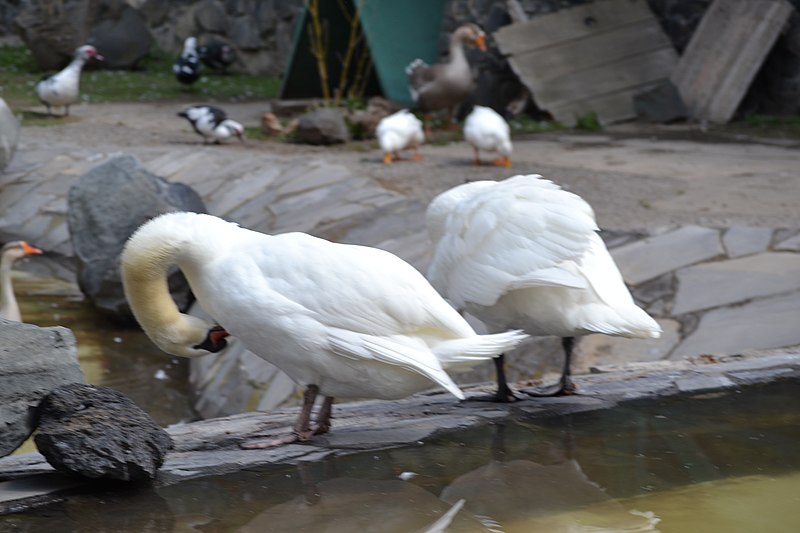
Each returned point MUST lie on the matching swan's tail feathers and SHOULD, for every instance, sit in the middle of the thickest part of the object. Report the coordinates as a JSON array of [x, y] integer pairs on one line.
[[635, 324], [478, 348], [359, 346]]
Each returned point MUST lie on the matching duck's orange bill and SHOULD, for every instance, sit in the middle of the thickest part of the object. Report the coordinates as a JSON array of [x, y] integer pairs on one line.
[[30, 250], [480, 42]]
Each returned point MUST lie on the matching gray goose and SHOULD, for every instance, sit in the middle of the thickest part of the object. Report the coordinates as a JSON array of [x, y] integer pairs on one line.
[[447, 84]]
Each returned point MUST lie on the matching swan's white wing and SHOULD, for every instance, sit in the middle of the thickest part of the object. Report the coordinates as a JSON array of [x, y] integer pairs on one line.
[[510, 235], [386, 350], [355, 288]]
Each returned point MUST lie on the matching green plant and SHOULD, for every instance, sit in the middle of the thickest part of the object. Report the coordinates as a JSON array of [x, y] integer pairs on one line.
[[589, 122]]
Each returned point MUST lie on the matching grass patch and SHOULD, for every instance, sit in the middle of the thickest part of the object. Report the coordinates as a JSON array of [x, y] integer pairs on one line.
[[153, 81]]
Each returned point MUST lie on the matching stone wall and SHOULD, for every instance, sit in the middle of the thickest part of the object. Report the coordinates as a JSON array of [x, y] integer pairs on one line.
[[262, 34]]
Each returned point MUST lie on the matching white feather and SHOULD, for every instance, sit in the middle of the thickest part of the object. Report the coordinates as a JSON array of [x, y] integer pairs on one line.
[[523, 253], [358, 322]]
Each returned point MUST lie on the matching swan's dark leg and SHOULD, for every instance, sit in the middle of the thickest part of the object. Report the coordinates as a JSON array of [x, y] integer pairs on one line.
[[302, 428], [324, 416], [565, 385], [504, 393]]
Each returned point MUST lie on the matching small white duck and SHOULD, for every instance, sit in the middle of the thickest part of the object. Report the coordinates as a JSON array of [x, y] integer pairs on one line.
[[540, 263], [447, 84], [341, 320], [486, 130], [10, 253], [399, 131], [212, 123], [63, 88]]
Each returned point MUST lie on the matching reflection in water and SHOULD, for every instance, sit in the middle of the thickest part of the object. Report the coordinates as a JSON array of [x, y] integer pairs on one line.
[[524, 496], [348, 505]]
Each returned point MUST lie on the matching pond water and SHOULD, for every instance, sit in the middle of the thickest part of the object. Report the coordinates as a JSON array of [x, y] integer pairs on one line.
[[716, 463], [110, 354]]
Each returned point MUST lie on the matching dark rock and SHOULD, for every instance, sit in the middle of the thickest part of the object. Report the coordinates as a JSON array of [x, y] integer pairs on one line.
[[99, 433], [103, 209], [661, 104], [33, 362], [52, 31], [9, 133], [322, 126], [124, 39]]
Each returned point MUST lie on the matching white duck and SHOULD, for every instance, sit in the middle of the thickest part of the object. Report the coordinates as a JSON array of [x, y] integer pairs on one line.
[[486, 130], [446, 85], [399, 131], [63, 88], [341, 320], [10, 253], [523, 253], [212, 123]]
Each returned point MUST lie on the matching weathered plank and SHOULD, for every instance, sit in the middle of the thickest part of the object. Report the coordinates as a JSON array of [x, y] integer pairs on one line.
[[725, 53], [591, 58]]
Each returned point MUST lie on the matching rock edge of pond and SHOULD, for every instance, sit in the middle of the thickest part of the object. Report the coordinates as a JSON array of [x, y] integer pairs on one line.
[[213, 447]]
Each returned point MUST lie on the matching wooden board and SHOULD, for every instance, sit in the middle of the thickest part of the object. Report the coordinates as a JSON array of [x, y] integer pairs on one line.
[[725, 53], [590, 58]]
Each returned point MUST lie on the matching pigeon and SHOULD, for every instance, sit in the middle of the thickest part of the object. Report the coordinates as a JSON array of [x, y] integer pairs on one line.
[[212, 123]]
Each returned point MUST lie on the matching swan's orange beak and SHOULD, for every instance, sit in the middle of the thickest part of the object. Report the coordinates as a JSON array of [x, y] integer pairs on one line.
[[30, 250], [480, 42], [215, 340]]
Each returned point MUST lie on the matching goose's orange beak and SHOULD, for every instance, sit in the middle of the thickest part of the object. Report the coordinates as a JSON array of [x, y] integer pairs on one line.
[[480, 42], [30, 250]]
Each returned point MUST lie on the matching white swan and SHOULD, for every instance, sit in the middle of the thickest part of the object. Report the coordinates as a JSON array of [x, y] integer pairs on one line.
[[523, 253], [399, 131], [63, 88], [486, 130], [10, 253], [341, 320]]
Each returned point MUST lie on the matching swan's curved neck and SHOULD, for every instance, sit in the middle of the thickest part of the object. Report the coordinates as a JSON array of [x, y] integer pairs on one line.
[[144, 274], [145, 265]]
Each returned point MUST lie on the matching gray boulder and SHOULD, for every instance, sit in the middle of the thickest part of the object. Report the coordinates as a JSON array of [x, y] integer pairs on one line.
[[33, 362], [325, 125], [99, 433], [52, 31], [9, 134], [104, 208]]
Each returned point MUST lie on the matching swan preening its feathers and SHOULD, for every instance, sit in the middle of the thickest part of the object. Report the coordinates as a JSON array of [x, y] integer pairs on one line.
[[342, 320], [10, 253], [523, 253]]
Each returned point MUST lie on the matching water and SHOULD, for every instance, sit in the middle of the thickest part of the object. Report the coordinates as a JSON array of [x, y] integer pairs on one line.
[[719, 463], [109, 354]]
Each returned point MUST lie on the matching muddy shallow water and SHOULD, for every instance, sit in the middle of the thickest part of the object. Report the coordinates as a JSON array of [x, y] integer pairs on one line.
[[724, 462]]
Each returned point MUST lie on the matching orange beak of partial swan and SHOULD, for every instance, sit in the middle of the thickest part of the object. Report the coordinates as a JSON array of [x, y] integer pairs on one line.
[[480, 42], [30, 250]]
